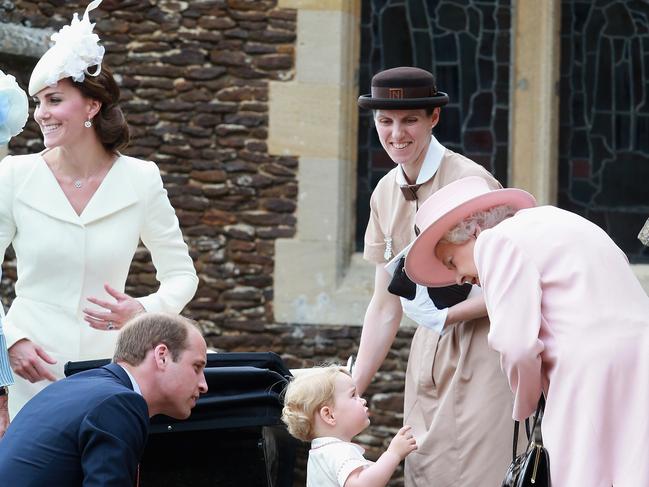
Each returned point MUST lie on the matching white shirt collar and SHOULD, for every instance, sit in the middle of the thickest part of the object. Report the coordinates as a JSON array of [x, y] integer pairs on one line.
[[430, 165], [329, 440], [136, 387]]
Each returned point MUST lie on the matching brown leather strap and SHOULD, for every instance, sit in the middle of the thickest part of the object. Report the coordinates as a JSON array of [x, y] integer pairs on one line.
[[406, 92]]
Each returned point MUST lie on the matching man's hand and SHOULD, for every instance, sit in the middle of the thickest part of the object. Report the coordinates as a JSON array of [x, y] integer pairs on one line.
[[4, 414]]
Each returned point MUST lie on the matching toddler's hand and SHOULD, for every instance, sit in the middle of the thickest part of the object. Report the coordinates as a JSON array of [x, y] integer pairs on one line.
[[403, 443]]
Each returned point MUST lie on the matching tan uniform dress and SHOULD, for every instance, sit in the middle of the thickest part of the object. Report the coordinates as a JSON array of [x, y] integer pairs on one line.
[[457, 399]]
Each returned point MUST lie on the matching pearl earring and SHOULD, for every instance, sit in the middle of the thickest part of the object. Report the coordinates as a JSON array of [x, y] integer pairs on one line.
[[87, 124]]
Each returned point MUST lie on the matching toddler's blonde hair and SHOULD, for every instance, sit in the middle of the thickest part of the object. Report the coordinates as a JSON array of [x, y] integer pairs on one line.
[[305, 395]]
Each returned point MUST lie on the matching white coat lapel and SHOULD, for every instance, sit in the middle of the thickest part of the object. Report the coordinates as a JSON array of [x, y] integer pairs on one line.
[[42, 192], [115, 193]]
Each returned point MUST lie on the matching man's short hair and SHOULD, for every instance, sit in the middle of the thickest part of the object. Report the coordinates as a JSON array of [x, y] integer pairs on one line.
[[146, 331]]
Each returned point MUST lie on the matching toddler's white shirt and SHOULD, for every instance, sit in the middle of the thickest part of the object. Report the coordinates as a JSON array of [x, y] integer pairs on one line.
[[331, 461]]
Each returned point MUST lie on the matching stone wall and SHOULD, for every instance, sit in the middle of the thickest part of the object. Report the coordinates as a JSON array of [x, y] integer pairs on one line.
[[194, 77]]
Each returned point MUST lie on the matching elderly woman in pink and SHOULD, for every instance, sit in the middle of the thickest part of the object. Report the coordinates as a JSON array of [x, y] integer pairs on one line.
[[568, 317]]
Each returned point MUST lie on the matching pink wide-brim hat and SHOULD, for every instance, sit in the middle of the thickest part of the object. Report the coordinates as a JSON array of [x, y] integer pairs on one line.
[[442, 211]]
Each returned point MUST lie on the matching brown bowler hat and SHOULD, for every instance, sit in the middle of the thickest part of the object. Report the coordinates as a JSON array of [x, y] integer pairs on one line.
[[403, 88]]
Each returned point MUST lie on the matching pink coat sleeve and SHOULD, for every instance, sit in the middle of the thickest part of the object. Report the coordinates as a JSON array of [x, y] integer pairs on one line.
[[512, 289]]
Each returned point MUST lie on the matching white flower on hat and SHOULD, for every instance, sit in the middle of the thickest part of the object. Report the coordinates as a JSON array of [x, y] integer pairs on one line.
[[14, 108], [75, 49]]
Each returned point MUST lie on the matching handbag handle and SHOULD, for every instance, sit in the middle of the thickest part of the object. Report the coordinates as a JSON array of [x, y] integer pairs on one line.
[[537, 438], [535, 435], [515, 442]]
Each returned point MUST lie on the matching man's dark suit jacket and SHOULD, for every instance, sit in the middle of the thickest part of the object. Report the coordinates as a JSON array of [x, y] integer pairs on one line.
[[86, 430]]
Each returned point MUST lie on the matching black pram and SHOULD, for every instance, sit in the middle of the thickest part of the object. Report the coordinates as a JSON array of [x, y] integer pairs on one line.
[[234, 436]]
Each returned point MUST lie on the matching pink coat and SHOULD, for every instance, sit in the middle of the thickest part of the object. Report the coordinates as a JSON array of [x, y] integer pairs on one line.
[[569, 317]]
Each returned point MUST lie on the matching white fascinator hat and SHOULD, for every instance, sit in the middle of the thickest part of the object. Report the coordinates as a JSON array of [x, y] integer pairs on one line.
[[14, 108], [75, 50]]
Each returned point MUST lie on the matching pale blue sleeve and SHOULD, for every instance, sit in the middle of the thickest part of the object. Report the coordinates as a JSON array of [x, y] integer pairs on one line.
[[6, 377]]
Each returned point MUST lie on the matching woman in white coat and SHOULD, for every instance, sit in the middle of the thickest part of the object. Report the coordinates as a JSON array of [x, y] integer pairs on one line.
[[75, 214]]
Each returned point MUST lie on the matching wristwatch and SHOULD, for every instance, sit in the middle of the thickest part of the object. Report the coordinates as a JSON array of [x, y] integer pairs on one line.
[[4, 391]]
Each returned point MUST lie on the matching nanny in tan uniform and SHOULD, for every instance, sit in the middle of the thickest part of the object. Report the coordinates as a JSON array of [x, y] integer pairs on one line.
[[457, 400]]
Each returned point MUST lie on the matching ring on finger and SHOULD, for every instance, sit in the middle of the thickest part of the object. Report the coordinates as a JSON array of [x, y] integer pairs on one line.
[[110, 326]]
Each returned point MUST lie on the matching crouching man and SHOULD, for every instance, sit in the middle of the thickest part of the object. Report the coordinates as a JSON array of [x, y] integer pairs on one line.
[[90, 429]]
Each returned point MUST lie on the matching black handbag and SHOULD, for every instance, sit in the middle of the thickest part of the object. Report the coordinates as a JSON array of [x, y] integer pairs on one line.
[[401, 285], [447, 296], [443, 297], [532, 467]]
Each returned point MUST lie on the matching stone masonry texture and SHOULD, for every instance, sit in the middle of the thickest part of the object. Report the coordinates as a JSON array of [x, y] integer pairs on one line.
[[194, 77]]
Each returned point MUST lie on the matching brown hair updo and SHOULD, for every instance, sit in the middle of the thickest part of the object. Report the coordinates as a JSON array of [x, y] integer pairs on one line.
[[109, 123]]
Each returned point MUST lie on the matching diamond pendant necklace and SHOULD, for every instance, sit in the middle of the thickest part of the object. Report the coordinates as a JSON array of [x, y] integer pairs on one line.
[[78, 182]]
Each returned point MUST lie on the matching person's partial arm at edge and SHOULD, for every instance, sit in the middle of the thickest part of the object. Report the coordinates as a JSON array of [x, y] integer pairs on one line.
[[6, 379]]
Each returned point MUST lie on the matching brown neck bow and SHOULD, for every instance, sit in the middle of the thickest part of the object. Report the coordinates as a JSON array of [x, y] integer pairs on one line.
[[409, 191]]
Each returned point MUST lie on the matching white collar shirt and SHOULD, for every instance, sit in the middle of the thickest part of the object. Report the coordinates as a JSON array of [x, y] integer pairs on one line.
[[429, 167], [136, 386]]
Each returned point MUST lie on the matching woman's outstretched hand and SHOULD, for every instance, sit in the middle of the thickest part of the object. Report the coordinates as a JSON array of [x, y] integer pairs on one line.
[[27, 360], [117, 313]]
